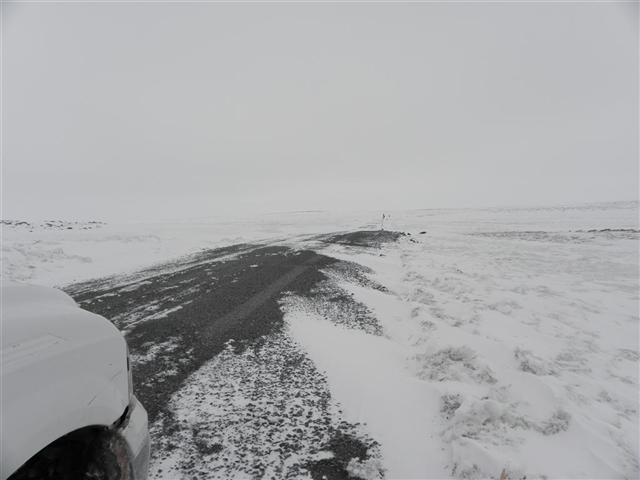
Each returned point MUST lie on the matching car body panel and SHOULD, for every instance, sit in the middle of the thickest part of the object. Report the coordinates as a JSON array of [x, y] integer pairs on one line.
[[63, 368], [136, 433]]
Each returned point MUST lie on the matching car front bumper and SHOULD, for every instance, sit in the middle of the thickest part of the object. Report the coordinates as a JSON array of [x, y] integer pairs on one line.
[[135, 431]]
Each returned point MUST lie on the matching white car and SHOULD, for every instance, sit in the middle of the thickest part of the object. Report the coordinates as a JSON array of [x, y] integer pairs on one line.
[[68, 410]]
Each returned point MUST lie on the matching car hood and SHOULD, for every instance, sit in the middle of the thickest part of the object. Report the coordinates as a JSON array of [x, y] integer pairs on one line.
[[35, 319], [62, 368]]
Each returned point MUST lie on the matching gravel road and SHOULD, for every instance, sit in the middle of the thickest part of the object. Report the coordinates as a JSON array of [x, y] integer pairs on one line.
[[206, 337]]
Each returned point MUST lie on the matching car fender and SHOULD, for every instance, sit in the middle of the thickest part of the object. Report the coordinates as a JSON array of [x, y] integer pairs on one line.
[[71, 385]]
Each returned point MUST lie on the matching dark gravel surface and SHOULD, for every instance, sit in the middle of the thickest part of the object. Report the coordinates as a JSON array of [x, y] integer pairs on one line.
[[224, 305], [219, 301], [574, 236], [364, 238]]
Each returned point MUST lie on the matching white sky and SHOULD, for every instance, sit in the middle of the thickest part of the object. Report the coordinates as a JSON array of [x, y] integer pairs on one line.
[[158, 110]]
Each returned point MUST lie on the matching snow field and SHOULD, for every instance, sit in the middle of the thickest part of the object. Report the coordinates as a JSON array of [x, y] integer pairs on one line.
[[499, 352], [502, 339]]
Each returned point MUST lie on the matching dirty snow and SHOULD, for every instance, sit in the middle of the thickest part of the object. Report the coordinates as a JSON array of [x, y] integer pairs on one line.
[[262, 413]]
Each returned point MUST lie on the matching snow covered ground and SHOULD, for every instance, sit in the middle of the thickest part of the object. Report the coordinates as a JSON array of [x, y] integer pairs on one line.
[[502, 349], [64, 252], [509, 336]]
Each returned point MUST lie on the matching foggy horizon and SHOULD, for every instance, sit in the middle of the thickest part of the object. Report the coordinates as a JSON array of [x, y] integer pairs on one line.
[[163, 111]]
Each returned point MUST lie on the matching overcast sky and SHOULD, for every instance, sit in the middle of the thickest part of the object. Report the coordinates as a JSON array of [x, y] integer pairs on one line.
[[158, 110]]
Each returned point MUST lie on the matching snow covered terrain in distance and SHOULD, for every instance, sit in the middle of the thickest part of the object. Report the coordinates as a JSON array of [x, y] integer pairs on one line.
[[510, 342], [56, 253], [505, 338]]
